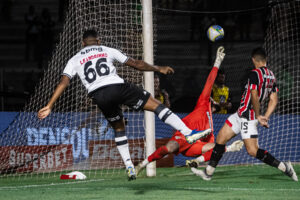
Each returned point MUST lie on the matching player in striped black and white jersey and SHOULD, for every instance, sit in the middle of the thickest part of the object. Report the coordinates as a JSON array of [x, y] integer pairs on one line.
[[261, 85], [94, 65]]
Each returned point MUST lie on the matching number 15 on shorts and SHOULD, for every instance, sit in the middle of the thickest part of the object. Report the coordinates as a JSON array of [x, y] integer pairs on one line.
[[249, 129]]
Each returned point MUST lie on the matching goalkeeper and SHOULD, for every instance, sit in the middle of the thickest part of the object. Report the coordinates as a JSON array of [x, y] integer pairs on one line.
[[200, 118]]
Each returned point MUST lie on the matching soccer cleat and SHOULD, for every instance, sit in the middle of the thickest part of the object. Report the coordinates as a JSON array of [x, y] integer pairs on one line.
[[139, 168], [131, 173], [235, 146], [202, 174], [290, 171], [192, 163], [196, 135]]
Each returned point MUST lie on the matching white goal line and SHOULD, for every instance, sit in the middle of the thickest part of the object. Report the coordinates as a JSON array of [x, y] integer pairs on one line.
[[51, 184], [238, 189]]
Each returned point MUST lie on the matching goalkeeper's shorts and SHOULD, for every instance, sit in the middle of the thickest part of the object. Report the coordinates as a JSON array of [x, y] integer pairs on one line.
[[190, 150]]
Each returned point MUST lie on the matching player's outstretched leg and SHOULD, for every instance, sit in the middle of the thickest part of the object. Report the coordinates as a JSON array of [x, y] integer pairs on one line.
[[168, 117], [171, 147], [289, 171]]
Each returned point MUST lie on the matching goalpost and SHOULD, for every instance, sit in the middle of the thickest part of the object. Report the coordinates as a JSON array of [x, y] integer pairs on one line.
[[149, 80], [76, 136]]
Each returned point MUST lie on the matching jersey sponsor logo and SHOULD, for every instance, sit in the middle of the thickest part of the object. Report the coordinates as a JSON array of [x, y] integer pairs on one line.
[[91, 49], [99, 55], [269, 76], [177, 137]]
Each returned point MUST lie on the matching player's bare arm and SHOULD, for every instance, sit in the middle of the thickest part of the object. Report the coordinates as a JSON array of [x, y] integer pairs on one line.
[[256, 107], [64, 82], [143, 66], [271, 105]]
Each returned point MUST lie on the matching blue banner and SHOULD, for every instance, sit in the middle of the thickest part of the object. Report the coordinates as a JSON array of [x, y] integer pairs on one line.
[[281, 139]]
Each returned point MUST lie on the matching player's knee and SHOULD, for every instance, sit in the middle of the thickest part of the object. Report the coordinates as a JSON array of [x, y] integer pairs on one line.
[[252, 151], [225, 134], [151, 104], [172, 147], [118, 125]]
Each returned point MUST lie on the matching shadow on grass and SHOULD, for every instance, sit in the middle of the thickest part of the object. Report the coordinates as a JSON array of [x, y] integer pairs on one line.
[[142, 189]]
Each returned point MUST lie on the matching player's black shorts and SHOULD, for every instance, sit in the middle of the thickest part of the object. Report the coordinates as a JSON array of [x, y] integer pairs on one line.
[[110, 98]]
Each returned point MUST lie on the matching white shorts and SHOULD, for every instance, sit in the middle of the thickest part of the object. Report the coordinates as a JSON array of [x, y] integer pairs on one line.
[[247, 128]]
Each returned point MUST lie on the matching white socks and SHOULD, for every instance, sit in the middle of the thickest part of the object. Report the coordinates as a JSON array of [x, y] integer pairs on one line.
[[282, 167], [167, 116], [210, 170], [123, 148]]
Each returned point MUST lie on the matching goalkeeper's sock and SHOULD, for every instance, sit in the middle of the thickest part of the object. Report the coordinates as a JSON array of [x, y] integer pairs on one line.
[[145, 162], [267, 158], [158, 154], [200, 159], [168, 117], [216, 156], [207, 155], [123, 147]]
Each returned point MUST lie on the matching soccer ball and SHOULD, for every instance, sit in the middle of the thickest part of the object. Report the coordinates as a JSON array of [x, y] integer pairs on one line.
[[215, 33]]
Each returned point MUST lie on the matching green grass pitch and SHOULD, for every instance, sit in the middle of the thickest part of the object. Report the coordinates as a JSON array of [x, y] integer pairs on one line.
[[233, 182]]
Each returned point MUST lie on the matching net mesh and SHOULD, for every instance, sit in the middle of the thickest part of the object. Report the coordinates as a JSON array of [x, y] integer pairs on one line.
[[182, 43], [281, 42], [76, 135]]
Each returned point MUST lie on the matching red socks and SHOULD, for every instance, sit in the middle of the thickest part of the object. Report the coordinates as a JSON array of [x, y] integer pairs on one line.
[[158, 154], [207, 155]]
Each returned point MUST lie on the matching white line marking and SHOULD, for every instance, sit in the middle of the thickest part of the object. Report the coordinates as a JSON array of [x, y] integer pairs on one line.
[[51, 184], [240, 189]]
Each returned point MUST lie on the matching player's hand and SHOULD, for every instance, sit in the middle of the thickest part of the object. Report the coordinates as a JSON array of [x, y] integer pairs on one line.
[[235, 146], [263, 121], [220, 56], [166, 70], [44, 112]]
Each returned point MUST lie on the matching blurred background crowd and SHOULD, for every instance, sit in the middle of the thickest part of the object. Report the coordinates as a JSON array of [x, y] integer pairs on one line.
[[29, 31]]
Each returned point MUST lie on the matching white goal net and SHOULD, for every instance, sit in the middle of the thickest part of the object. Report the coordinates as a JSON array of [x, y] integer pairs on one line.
[[76, 136]]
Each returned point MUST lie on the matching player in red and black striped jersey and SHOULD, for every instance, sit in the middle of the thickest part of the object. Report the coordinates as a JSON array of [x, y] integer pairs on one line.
[[261, 85], [263, 80]]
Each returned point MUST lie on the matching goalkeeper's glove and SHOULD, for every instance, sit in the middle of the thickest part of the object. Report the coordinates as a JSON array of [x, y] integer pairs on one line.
[[220, 56], [235, 146]]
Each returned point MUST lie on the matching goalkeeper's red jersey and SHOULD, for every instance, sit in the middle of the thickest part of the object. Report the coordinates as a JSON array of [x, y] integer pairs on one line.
[[200, 118]]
